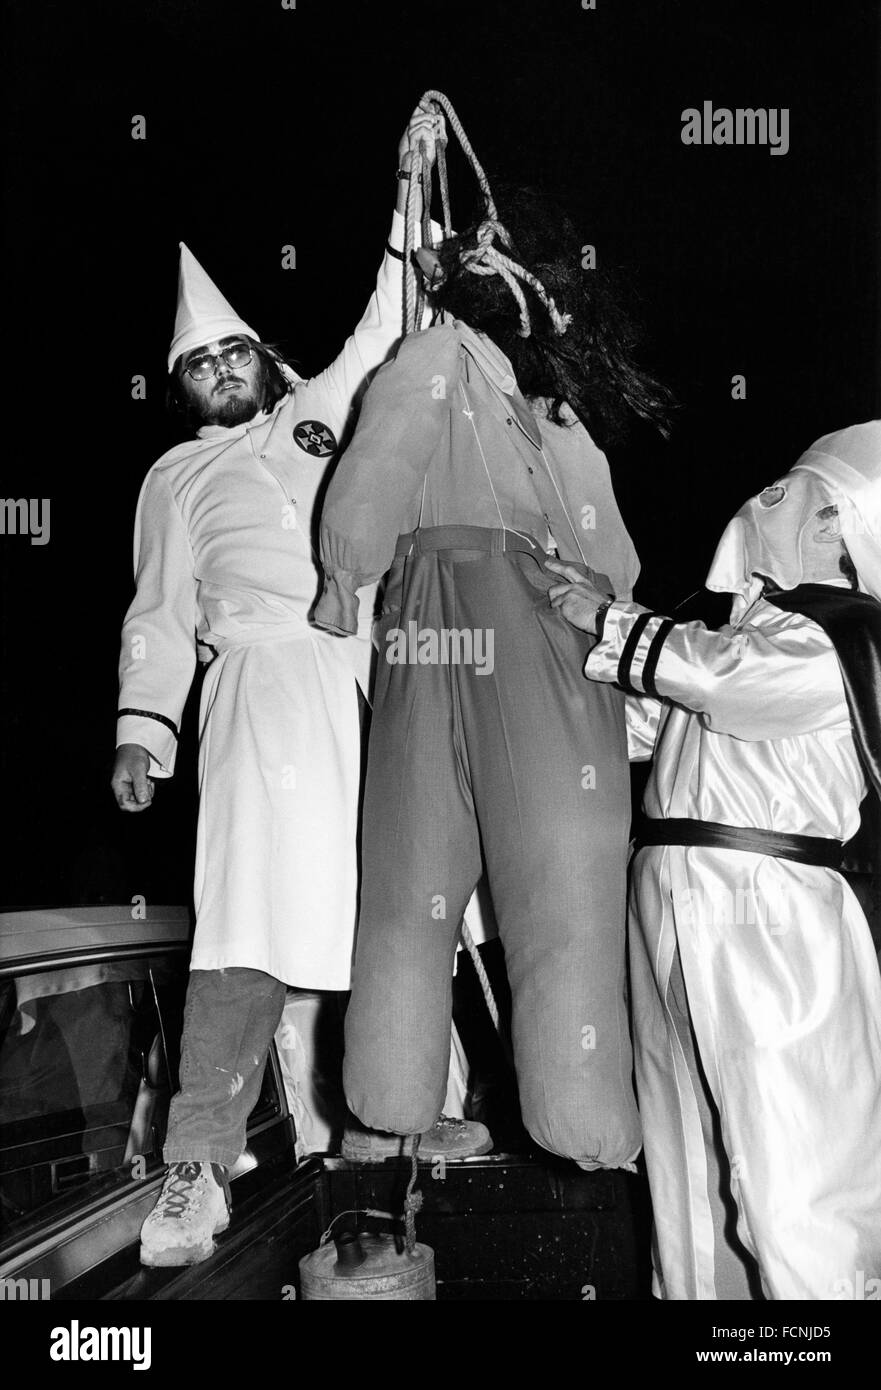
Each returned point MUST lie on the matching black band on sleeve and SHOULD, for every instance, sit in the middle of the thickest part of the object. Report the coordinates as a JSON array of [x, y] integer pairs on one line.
[[629, 653], [148, 714], [654, 653], [398, 255]]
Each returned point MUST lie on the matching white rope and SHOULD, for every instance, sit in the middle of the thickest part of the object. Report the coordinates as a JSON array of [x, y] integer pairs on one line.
[[471, 947], [490, 999], [484, 258]]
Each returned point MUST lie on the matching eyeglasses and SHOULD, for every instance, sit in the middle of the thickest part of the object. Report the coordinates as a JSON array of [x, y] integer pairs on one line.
[[236, 355]]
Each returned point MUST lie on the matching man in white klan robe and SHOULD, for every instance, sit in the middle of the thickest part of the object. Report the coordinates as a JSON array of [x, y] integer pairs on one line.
[[224, 563], [756, 995]]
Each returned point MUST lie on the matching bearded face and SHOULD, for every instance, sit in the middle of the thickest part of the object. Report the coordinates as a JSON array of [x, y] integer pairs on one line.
[[229, 396]]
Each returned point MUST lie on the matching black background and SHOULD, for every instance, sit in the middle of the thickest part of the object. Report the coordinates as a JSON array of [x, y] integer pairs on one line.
[[268, 126]]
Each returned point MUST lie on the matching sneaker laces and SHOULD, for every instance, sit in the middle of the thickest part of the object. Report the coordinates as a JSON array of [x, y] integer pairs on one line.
[[449, 1122], [179, 1189]]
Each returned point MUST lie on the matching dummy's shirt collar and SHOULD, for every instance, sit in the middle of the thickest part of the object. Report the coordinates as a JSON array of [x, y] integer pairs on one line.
[[490, 359], [492, 364]]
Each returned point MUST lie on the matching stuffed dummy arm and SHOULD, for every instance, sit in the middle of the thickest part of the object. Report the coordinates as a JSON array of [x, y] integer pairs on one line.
[[375, 491]]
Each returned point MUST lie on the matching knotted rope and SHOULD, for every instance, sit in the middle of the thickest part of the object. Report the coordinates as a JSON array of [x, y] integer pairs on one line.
[[412, 1204], [484, 258], [412, 1200]]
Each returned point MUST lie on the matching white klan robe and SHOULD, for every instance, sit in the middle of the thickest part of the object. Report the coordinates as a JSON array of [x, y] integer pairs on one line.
[[762, 966], [223, 557]]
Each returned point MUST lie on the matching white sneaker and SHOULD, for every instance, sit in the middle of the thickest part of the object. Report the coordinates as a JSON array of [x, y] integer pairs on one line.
[[193, 1208]]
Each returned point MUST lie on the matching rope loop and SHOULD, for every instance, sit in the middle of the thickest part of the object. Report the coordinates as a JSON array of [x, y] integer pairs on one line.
[[484, 258]]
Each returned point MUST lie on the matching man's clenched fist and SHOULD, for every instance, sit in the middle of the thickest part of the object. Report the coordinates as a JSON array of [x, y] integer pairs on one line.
[[132, 787]]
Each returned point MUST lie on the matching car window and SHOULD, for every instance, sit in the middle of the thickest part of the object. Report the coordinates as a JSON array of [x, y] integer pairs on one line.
[[88, 1062], [89, 1058]]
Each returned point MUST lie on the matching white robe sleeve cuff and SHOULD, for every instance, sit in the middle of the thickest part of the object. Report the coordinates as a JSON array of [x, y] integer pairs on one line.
[[157, 734], [629, 648]]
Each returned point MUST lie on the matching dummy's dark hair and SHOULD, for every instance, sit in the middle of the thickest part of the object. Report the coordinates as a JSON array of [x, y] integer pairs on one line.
[[593, 365], [276, 385]]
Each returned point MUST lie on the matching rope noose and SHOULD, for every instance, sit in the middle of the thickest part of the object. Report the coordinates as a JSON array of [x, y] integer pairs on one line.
[[412, 288], [484, 259]]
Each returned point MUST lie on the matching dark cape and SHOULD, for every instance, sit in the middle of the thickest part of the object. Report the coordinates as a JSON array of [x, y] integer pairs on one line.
[[852, 622]]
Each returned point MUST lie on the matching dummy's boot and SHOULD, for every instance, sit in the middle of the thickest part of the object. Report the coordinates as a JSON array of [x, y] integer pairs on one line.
[[193, 1208], [447, 1138]]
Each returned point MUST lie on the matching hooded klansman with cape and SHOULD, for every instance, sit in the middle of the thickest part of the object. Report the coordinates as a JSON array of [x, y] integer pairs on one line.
[[756, 994]]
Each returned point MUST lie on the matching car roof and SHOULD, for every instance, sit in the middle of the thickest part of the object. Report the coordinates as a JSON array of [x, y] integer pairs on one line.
[[66, 934]]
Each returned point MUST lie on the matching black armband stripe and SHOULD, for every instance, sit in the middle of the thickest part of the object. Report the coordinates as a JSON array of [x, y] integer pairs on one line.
[[654, 654], [148, 714], [398, 255], [629, 653]]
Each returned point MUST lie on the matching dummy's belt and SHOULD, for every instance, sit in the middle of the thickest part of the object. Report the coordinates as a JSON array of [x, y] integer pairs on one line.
[[489, 538], [803, 849]]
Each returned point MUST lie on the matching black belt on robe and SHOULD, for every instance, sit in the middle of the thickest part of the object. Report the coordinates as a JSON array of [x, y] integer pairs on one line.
[[803, 849], [852, 622]]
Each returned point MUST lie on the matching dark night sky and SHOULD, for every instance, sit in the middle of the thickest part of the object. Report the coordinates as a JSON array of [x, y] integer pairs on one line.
[[266, 127]]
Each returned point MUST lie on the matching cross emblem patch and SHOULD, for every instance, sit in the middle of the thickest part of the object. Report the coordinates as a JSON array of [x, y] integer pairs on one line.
[[315, 438]]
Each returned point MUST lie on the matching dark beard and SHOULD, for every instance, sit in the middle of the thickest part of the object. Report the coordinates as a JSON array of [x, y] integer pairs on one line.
[[236, 409]]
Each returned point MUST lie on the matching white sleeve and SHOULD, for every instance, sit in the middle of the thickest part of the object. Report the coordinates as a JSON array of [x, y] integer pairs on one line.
[[158, 653], [380, 327], [642, 716], [756, 682]]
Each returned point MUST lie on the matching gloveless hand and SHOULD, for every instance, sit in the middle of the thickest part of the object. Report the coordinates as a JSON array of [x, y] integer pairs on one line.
[[576, 598], [426, 124]]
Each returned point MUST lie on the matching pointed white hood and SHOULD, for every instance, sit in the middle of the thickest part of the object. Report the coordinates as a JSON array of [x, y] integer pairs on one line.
[[203, 314]]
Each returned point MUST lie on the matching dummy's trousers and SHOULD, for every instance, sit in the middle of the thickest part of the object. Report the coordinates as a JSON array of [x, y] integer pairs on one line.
[[486, 735]]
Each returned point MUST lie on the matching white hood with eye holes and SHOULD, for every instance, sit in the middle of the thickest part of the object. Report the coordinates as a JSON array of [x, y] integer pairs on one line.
[[764, 537]]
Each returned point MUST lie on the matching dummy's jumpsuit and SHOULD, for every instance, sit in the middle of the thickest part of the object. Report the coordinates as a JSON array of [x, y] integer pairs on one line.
[[485, 736]]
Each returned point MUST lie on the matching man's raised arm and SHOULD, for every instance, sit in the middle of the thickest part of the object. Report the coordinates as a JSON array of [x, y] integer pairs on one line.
[[347, 377]]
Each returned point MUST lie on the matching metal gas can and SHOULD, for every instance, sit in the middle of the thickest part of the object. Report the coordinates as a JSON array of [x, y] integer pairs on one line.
[[368, 1266]]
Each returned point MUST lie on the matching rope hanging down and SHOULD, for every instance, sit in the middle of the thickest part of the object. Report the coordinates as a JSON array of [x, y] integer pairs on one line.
[[484, 258], [413, 1198]]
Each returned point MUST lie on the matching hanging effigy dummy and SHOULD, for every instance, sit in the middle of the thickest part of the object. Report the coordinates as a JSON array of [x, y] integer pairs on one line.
[[470, 466]]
